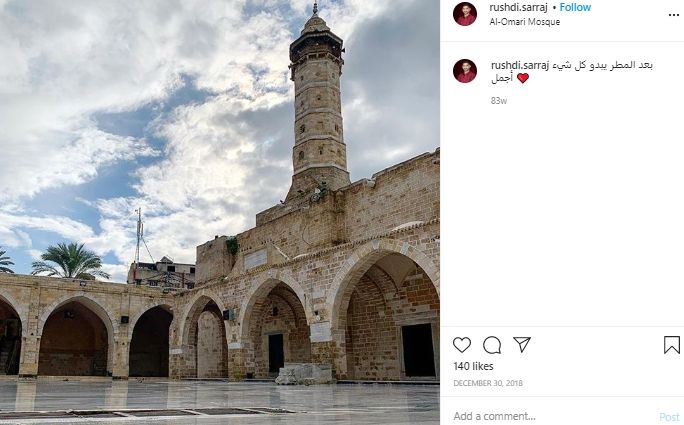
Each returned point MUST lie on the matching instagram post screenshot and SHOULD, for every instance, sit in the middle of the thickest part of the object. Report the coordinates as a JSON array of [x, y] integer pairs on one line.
[[220, 212], [560, 128]]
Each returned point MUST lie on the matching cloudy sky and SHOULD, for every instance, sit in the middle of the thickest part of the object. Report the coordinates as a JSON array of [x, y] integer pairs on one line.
[[185, 108]]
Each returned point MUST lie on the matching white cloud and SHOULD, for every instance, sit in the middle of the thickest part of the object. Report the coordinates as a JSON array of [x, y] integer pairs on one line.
[[225, 157], [35, 254], [118, 273], [63, 226], [13, 238], [64, 61]]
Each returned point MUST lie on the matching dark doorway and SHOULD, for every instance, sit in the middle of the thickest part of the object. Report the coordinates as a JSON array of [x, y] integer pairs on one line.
[[10, 340], [276, 354], [419, 355], [149, 349]]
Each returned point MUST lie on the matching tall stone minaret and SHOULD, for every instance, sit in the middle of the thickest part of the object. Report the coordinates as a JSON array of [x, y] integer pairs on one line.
[[319, 155]]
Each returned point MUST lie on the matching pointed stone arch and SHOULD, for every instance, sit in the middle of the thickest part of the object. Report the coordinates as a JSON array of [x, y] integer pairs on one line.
[[92, 305], [265, 284], [364, 257], [149, 340], [274, 323], [199, 300], [204, 348], [18, 308], [95, 305], [149, 306], [12, 333], [373, 334]]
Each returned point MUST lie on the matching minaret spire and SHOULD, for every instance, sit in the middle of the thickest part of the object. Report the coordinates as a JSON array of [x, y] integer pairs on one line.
[[319, 156]]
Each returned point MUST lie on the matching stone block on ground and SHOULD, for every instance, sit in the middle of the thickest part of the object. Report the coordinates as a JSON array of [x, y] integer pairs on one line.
[[304, 374]]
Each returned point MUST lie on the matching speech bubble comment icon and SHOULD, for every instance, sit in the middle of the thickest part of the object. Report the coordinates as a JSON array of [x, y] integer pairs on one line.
[[492, 345]]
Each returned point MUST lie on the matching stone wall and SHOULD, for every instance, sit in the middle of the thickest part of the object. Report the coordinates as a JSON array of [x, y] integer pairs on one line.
[[311, 299], [404, 193], [320, 281], [371, 336], [215, 259], [35, 298], [210, 346], [407, 193]]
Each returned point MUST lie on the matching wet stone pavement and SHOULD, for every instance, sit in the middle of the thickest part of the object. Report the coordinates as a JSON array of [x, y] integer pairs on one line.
[[327, 404]]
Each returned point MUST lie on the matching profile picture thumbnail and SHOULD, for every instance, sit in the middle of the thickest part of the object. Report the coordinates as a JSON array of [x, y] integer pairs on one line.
[[465, 71], [465, 14]]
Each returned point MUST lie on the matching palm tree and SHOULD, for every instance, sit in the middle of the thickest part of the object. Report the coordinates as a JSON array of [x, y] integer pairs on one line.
[[70, 261], [5, 261]]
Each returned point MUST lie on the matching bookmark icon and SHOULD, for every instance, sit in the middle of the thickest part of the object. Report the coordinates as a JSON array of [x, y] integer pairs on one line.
[[672, 344]]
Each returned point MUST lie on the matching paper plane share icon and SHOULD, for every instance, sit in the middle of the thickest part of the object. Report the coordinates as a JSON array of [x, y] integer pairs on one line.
[[522, 341]]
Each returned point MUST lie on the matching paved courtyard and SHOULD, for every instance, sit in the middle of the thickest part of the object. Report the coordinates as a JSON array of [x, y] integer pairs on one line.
[[336, 404]]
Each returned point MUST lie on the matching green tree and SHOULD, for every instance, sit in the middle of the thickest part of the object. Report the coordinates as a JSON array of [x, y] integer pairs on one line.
[[5, 261], [69, 261]]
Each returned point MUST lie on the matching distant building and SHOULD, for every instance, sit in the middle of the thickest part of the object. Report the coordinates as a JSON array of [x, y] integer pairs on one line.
[[164, 273]]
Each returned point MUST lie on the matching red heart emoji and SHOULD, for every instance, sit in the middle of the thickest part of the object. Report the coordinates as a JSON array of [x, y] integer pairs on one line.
[[523, 77]]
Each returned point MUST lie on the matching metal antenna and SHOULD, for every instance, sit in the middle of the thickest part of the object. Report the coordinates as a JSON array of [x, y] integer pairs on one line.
[[315, 9], [138, 237], [148, 250]]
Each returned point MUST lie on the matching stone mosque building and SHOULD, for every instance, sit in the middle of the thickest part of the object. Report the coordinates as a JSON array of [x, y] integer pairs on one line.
[[340, 274]]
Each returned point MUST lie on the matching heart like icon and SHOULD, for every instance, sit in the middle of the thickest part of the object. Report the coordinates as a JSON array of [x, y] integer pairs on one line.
[[522, 77], [461, 344]]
